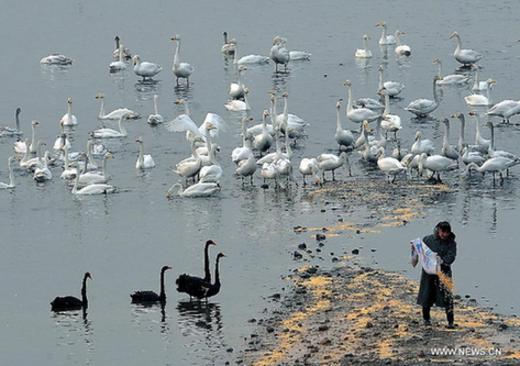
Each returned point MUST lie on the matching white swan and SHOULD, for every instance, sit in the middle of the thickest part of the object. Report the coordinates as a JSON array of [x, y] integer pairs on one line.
[[288, 123], [453, 79], [250, 59], [364, 52], [21, 147], [91, 189], [423, 107], [436, 164], [422, 146], [299, 55], [505, 109], [68, 118], [107, 133], [469, 157], [393, 88], [228, 48], [493, 165], [448, 150], [212, 172], [343, 137], [481, 144], [480, 100], [31, 164], [189, 167], [246, 168], [61, 141], [496, 153], [263, 141], [181, 70], [10, 131], [155, 118], [96, 177], [390, 122], [477, 84], [143, 161], [279, 53], [238, 105], [385, 39], [236, 90], [389, 165], [466, 57], [145, 69], [56, 59], [401, 49], [116, 113], [120, 64], [11, 183], [42, 172], [360, 114], [200, 189], [244, 152], [331, 162], [69, 172], [310, 166], [126, 52]]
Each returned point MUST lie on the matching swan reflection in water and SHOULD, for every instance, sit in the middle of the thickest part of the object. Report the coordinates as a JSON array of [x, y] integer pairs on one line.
[[141, 320], [74, 329], [201, 319]]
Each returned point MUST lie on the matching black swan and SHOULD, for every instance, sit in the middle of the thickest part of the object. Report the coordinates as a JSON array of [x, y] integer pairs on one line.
[[196, 286], [69, 303], [147, 297], [200, 289]]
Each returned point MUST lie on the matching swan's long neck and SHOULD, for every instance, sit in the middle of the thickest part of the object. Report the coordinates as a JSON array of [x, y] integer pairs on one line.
[[102, 108], [387, 105], [383, 33], [217, 277], [459, 43], [435, 96], [89, 151], [439, 70], [69, 111], [235, 56], [285, 119], [338, 120], [141, 153], [76, 180], [66, 152], [365, 44], [477, 129], [156, 110], [274, 113], [25, 156], [162, 294], [207, 273], [492, 147], [121, 54], [176, 61], [381, 84], [349, 98], [476, 84], [246, 100], [17, 120], [32, 147], [240, 79], [122, 128], [487, 93], [288, 150], [445, 141], [225, 37], [104, 166], [117, 43], [84, 292], [244, 133]]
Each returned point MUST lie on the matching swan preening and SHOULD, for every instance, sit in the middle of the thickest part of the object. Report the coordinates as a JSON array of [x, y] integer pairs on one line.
[[71, 303], [423, 107], [150, 297], [466, 57], [181, 70], [249, 59], [56, 59], [145, 69]]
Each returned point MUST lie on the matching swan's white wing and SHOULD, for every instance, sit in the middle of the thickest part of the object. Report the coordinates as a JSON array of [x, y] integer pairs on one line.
[[183, 123], [216, 121]]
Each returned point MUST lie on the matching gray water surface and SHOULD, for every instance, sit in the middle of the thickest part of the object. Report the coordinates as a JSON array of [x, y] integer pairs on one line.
[[50, 238]]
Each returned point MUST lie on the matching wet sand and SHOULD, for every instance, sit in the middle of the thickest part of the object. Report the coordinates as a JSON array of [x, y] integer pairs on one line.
[[357, 315]]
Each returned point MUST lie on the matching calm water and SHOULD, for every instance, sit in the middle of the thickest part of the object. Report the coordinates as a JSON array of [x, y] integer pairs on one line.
[[50, 238]]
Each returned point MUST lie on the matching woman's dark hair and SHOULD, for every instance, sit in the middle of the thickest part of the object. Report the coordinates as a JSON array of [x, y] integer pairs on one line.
[[443, 226]]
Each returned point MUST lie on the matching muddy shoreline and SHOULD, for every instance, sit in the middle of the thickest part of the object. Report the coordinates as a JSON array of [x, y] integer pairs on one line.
[[358, 315]]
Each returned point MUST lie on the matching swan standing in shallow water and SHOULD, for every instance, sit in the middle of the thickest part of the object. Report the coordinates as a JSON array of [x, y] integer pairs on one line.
[[401, 49], [263, 141], [392, 88], [106, 133], [364, 52], [250, 59], [56, 59], [68, 118], [279, 53], [9, 131], [423, 107], [332, 162], [389, 165], [310, 167], [11, 183], [155, 118], [421, 145], [180, 69], [436, 164], [143, 161], [493, 165], [91, 189], [360, 114], [145, 69], [385, 39], [126, 52], [480, 100], [343, 137], [495, 153], [453, 79], [228, 48], [505, 109], [466, 57], [448, 150], [390, 122], [199, 189], [116, 113]]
